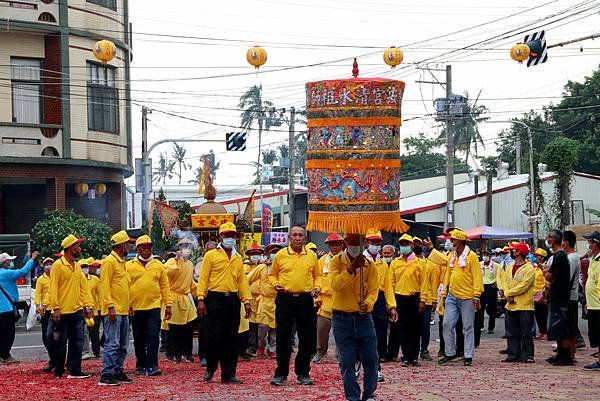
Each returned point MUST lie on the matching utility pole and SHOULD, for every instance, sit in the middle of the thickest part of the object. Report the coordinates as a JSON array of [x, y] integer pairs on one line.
[[449, 154], [518, 149], [145, 166], [292, 146]]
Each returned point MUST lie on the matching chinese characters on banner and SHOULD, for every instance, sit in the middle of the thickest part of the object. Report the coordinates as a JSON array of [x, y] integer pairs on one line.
[[266, 223], [247, 239], [279, 238], [210, 220]]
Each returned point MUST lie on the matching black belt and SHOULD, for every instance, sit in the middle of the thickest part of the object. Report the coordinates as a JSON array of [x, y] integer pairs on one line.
[[416, 294], [295, 294], [222, 293], [339, 312]]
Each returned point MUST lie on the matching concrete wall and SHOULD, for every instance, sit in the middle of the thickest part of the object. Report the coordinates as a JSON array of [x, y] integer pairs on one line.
[[30, 15]]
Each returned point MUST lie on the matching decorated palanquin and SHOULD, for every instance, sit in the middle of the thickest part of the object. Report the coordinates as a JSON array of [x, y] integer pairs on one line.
[[353, 155]]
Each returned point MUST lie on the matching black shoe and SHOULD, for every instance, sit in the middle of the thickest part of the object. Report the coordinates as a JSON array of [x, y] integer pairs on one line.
[[108, 380], [58, 375], [153, 372], [415, 363], [177, 359], [121, 377], [580, 344], [504, 337], [509, 359], [278, 380], [304, 380], [188, 358], [446, 359], [203, 362], [552, 359], [563, 362], [468, 362], [48, 368], [425, 356], [140, 371], [232, 380], [244, 357], [404, 363], [78, 375], [208, 376], [503, 352]]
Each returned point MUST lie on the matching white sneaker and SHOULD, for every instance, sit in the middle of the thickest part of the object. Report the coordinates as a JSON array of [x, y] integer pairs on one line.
[[371, 399], [380, 378], [87, 356]]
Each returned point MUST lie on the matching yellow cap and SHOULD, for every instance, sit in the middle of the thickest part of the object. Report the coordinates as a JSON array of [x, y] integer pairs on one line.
[[541, 252], [311, 245], [406, 237], [373, 234], [70, 240], [227, 228], [119, 238], [417, 239], [143, 240], [47, 260], [459, 235], [85, 262], [96, 263]]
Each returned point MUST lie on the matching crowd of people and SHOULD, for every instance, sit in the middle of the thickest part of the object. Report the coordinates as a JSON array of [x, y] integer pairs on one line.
[[378, 299]]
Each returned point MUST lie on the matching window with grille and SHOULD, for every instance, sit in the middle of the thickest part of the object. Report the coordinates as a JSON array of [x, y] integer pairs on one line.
[[26, 89], [102, 98], [112, 4]]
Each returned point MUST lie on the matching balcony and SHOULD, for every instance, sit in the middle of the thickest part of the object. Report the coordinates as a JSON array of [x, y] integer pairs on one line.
[[45, 11], [30, 140]]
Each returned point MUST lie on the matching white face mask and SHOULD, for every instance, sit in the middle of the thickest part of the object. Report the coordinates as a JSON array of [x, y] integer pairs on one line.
[[186, 252], [548, 245], [388, 260], [374, 249], [272, 256], [448, 245], [255, 258], [85, 270], [486, 259], [142, 259], [354, 250]]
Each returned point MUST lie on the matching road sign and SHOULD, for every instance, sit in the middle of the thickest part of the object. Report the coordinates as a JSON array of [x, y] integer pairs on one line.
[[537, 45], [236, 141]]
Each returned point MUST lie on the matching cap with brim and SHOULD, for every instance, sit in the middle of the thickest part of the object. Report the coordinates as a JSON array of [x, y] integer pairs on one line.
[[143, 240], [334, 237], [227, 228], [417, 240], [486, 251], [5, 256], [96, 263], [405, 237], [520, 247], [506, 249], [120, 238], [311, 245], [185, 241], [540, 252], [458, 234], [255, 249], [70, 240], [85, 262], [373, 234], [47, 260], [270, 247], [595, 236]]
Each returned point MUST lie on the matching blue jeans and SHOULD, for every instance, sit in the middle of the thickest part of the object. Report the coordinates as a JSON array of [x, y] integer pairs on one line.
[[454, 309], [116, 336], [355, 336]]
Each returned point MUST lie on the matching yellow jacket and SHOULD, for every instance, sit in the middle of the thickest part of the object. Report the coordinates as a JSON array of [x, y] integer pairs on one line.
[[114, 285], [520, 287], [148, 285], [94, 284], [463, 282], [181, 280], [384, 273], [223, 274], [432, 276], [296, 272], [41, 288], [253, 274], [326, 295], [540, 282], [346, 287], [68, 291], [408, 277], [266, 305]]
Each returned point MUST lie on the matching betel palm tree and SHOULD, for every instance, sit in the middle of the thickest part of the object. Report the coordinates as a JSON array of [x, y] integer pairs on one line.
[[164, 169], [197, 175], [179, 155], [254, 109], [465, 128]]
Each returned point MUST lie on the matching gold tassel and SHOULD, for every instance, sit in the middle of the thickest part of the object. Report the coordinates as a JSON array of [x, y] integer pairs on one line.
[[356, 223]]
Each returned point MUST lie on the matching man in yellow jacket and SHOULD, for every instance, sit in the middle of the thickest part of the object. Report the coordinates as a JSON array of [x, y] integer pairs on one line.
[[70, 301], [518, 291], [265, 315], [114, 282], [411, 291], [92, 341], [41, 289], [148, 289], [222, 286], [335, 242], [463, 286], [353, 327]]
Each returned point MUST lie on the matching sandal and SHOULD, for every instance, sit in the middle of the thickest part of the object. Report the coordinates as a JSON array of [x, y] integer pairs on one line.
[[529, 360]]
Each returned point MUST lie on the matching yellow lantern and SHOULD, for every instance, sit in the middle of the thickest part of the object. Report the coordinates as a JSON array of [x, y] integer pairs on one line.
[[81, 188], [520, 52], [100, 189], [256, 56], [393, 56], [105, 50]]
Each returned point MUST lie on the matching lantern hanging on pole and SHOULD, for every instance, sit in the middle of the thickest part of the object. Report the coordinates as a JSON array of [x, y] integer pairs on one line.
[[100, 189], [256, 56], [520, 52], [393, 56], [81, 188], [104, 50]]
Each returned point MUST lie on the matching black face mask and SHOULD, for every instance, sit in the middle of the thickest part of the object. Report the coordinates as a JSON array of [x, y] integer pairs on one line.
[[418, 250]]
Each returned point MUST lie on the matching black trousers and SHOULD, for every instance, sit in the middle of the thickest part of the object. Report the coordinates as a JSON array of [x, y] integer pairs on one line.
[[460, 338], [202, 345], [298, 309], [95, 336], [181, 339], [243, 340], [7, 333], [146, 334], [253, 338], [381, 322], [541, 317], [70, 329], [520, 339], [223, 322], [489, 300], [409, 325]]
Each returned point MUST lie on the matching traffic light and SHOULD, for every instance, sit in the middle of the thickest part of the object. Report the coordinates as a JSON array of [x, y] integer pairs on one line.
[[236, 141]]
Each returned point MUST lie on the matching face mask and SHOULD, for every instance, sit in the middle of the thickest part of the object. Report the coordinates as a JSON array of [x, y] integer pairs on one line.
[[186, 252], [272, 256], [228, 242], [388, 260], [497, 259], [354, 250], [11, 265], [85, 270], [418, 250], [548, 245], [448, 245], [373, 249], [405, 250], [486, 259], [255, 258], [142, 259], [98, 272], [47, 268]]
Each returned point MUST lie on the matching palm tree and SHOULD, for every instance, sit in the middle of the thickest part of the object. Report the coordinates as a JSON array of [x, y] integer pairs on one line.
[[465, 128], [253, 108], [197, 175], [179, 156], [164, 169], [269, 156]]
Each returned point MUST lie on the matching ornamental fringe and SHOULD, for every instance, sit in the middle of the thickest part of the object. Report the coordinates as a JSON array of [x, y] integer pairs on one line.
[[356, 223]]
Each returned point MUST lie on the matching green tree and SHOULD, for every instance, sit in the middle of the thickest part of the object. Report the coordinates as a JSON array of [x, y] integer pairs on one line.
[[561, 156], [421, 159], [185, 213], [197, 175], [164, 169], [269, 156], [48, 233], [179, 155], [465, 128]]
